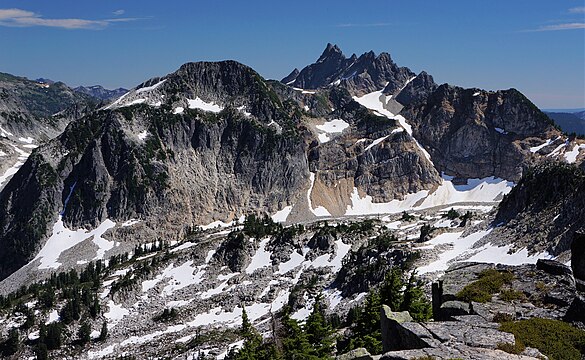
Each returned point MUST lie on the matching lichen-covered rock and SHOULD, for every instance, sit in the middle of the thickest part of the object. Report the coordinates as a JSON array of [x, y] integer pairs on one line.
[[356, 354], [399, 332], [455, 351]]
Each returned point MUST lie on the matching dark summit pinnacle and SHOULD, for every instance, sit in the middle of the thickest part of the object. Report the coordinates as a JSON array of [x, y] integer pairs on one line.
[[331, 51], [359, 75]]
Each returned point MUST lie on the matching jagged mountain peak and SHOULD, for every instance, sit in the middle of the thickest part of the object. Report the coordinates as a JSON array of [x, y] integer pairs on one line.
[[331, 51], [359, 75]]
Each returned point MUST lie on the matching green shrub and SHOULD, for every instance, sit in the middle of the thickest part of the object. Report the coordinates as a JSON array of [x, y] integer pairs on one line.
[[503, 317], [452, 214], [516, 348], [490, 281], [407, 217], [555, 339], [512, 295]]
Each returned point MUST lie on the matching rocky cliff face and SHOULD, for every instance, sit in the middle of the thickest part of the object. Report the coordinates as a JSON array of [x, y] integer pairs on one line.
[[189, 169], [472, 134], [359, 75], [545, 209]]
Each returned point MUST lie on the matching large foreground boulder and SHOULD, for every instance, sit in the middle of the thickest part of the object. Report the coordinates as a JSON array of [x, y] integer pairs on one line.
[[454, 351]]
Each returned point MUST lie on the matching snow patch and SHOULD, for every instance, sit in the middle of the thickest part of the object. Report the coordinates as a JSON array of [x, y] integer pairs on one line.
[[143, 135], [376, 142], [53, 316], [101, 353], [325, 260], [535, 149], [5, 133], [377, 102], [10, 171], [475, 190], [115, 313], [27, 140], [282, 215], [501, 255], [303, 91], [320, 210], [571, 156], [295, 260], [261, 258], [219, 223], [183, 246], [130, 222], [63, 239], [150, 88], [178, 110], [179, 277], [335, 126], [242, 109], [197, 103]]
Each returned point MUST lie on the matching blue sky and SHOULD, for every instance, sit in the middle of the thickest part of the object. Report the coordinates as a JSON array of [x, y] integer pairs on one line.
[[535, 46]]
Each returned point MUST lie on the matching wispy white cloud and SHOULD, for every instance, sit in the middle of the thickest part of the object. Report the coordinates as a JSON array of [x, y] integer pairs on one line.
[[577, 10], [364, 25], [119, 12], [25, 18], [559, 27]]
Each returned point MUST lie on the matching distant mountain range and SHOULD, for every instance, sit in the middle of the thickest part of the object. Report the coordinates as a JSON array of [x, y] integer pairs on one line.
[[569, 122], [95, 91], [99, 92]]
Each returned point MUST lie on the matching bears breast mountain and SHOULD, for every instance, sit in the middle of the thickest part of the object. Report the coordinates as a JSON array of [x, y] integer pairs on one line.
[[212, 190]]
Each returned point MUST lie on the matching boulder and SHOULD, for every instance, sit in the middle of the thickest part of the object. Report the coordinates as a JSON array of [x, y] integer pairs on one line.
[[484, 335], [397, 336], [453, 308], [576, 311], [453, 351], [355, 354], [553, 267]]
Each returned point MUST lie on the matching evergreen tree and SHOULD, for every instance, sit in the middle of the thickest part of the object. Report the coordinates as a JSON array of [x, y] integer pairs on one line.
[[54, 337], [11, 345], [295, 344], [391, 289], [94, 308], [319, 332], [41, 351], [253, 348], [84, 333], [104, 332], [415, 301], [47, 297], [42, 333], [367, 332], [30, 319], [394, 292]]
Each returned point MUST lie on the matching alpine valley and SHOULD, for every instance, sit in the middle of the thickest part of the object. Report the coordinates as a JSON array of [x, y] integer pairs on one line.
[[354, 209]]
